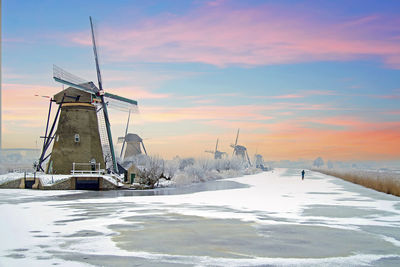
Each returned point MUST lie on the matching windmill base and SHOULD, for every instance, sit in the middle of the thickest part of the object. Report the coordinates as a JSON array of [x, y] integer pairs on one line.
[[69, 183]]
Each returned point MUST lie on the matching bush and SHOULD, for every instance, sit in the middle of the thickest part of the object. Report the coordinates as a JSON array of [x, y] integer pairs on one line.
[[188, 170]]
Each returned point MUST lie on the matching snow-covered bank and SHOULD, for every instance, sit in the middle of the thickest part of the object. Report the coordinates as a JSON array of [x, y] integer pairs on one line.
[[274, 218], [386, 182], [154, 172]]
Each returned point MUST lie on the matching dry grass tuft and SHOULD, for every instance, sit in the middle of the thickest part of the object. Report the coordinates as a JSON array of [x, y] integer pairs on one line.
[[385, 182]]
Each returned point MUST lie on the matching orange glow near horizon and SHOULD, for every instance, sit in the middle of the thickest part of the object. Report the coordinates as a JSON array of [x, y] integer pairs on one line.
[[354, 140]]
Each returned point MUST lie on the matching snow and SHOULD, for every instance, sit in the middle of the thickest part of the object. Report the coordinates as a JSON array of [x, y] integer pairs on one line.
[[49, 179], [273, 193], [278, 198]]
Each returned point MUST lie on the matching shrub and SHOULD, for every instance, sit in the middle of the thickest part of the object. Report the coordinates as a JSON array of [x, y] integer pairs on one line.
[[187, 170]]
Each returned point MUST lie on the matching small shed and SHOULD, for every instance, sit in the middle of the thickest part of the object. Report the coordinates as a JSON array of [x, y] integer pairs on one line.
[[132, 172]]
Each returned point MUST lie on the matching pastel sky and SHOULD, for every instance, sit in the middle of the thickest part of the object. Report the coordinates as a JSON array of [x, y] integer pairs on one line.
[[301, 79]]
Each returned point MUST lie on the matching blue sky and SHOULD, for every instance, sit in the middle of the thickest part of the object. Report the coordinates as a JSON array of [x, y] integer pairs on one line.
[[300, 78]]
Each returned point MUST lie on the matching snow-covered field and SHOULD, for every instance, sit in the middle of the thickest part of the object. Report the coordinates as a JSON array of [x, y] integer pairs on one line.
[[271, 218]]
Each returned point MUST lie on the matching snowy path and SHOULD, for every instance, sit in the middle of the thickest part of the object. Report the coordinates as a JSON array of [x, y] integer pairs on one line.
[[268, 218]]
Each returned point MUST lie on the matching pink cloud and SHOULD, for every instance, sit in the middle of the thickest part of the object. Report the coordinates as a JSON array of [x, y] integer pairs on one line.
[[221, 35], [216, 2], [392, 112], [388, 96], [301, 94], [236, 113], [167, 114], [204, 101], [285, 96]]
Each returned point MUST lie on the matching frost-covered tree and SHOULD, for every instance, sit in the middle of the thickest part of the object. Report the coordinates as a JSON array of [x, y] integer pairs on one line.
[[318, 162], [187, 170], [329, 164], [151, 172], [171, 167], [185, 162]]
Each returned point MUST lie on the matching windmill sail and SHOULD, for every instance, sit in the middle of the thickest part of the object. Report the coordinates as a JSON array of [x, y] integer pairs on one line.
[[120, 103], [126, 132], [113, 101], [62, 76]]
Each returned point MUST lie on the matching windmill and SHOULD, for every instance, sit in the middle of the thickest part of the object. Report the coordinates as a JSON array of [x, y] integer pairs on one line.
[[83, 133], [217, 154], [240, 151], [259, 161], [133, 143]]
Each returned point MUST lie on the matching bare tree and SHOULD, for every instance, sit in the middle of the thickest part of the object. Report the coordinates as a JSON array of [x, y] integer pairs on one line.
[[151, 172]]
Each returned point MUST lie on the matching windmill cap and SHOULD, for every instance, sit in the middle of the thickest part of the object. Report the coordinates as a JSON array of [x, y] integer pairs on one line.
[[133, 138], [71, 94]]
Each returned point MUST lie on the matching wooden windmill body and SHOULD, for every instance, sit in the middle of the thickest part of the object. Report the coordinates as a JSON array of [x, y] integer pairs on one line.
[[77, 139]]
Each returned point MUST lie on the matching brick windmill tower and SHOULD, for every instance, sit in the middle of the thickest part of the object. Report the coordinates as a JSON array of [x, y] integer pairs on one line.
[[83, 133]]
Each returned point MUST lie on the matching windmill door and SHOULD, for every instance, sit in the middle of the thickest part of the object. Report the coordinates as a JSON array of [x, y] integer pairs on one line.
[[90, 183], [29, 182]]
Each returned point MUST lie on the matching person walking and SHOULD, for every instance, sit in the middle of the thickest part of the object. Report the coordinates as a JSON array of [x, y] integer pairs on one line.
[[302, 174]]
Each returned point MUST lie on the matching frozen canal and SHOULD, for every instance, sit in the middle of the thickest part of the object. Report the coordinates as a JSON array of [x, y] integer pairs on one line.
[[264, 219]]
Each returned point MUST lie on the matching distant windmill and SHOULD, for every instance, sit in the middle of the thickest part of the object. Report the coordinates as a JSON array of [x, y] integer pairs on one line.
[[83, 133], [217, 154], [240, 151], [133, 143], [259, 161]]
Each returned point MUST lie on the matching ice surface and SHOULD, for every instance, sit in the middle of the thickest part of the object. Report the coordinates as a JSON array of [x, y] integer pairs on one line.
[[268, 218]]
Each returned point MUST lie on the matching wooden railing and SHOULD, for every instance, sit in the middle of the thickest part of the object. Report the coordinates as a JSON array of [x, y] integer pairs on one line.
[[86, 168]]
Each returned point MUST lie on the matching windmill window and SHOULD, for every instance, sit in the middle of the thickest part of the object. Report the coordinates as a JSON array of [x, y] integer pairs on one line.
[[77, 138]]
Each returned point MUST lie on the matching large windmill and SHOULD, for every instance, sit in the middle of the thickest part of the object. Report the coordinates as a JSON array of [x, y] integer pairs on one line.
[[217, 154], [240, 151], [133, 143], [83, 133]]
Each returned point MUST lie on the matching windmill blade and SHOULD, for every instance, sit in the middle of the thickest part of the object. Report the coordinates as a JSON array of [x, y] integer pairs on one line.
[[126, 132], [209, 151], [144, 148], [120, 103], [62, 76], [237, 137], [120, 140], [96, 57], [216, 146], [103, 103], [248, 159]]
